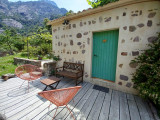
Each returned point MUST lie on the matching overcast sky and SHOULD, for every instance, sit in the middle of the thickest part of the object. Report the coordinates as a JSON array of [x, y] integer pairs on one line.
[[75, 5]]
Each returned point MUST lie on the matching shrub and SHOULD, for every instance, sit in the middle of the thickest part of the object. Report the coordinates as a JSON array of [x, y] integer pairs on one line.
[[147, 76]]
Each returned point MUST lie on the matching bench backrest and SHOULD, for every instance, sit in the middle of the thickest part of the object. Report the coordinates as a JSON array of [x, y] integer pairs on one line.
[[73, 66]]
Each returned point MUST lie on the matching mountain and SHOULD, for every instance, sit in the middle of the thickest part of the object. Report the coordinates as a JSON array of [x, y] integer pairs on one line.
[[25, 15]]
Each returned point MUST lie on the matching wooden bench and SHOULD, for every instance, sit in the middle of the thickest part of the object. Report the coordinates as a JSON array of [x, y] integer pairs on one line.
[[71, 70]]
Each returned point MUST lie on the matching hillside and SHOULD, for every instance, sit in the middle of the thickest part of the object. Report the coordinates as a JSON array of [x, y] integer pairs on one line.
[[25, 15]]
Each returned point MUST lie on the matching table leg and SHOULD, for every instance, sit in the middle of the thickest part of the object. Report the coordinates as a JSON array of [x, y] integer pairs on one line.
[[45, 88]]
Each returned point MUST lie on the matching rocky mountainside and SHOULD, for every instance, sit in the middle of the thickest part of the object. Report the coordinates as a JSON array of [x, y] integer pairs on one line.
[[22, 14]]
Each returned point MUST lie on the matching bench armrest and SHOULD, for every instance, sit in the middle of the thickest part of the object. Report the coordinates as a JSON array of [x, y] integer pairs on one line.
[[57, 69]]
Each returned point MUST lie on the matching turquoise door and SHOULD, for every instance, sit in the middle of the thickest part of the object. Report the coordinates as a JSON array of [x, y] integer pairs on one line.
[[104, 59]]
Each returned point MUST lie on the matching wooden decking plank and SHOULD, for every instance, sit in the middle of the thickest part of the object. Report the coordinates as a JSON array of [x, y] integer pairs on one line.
[[25, 85], [142, 109], [40, 108], [130, 97], [27, 108], [106, 106], [18, 98], [114, 108], [124, 111], [95, 111], [81, 103], [88, 105], [148, 110], [63, 111], [14, 82], [134, 113], [20, 102], [20, 92]]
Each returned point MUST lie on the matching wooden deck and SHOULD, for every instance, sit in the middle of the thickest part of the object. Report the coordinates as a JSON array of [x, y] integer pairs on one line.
[[88, 104]]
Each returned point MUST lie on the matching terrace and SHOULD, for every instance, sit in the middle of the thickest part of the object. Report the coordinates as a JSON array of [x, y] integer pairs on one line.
[[89, 103]]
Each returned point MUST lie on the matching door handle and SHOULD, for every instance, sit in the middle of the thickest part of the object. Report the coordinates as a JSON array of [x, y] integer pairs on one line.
[[95, 55]]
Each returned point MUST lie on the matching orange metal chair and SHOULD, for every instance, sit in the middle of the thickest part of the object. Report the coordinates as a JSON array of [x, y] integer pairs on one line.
[[60, 97], [28, 72]]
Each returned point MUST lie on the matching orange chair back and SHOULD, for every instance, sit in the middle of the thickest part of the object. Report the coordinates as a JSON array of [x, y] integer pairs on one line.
[[28, 72], [60, 97]]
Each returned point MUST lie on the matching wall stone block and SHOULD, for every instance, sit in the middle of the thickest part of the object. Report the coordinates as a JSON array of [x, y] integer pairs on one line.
[[75, 52], [79, 35], [151, 15], [81, 24], [119, 83], [132, 28], [149, 23], [88, 41], [107, 19], [100, 19], [120, 65], [83, 51], [79, 43], [74, 25], [124, 14], [124, 53], [129, 84], [140, 25], [117, 17], [152, 39], [123, 41], [133, 65], [93, 22], [136, 39], [85, 33], [135, 53], [125, 27], [89, 22], [123, 77], [65, 45], [71, 42]]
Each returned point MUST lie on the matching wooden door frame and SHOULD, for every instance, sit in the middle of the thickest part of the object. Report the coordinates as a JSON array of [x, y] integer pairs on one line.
[[105, 30]]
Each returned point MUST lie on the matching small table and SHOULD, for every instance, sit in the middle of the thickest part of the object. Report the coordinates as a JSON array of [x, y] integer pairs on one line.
[[50, 81]]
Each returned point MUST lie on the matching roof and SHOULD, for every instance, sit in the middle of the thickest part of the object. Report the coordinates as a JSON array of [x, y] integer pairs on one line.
[[91, 11]]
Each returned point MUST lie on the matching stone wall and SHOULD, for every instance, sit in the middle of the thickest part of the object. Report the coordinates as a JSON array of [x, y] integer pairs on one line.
[[138, 25], [21, 61], [47, 66]]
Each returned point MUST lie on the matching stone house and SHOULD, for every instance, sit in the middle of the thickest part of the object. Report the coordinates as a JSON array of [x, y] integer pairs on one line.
[[106, 39]]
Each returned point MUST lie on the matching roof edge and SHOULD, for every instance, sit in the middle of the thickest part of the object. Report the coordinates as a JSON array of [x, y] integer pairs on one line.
[[97, 10]]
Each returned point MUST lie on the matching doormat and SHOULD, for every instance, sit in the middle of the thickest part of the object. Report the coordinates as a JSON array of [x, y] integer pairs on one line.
[[100, 88]]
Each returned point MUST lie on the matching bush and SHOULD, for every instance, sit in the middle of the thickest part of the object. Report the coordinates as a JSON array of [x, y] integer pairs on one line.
[[147, 76]]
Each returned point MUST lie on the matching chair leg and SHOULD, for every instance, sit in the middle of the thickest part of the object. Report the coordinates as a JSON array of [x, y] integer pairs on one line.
[[70, 112], [49, 105], [21, 84], [55, 114]]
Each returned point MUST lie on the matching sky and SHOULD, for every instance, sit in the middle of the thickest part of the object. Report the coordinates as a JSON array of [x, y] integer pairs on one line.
[[75, 5]]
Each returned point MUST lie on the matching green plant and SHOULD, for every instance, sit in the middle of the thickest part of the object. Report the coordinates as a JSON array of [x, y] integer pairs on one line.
[[96, 3], [147, 76]]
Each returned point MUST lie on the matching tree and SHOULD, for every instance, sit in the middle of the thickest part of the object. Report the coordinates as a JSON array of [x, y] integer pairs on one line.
[[48, 27], [96, 3], [69, 12], [7, 38]]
